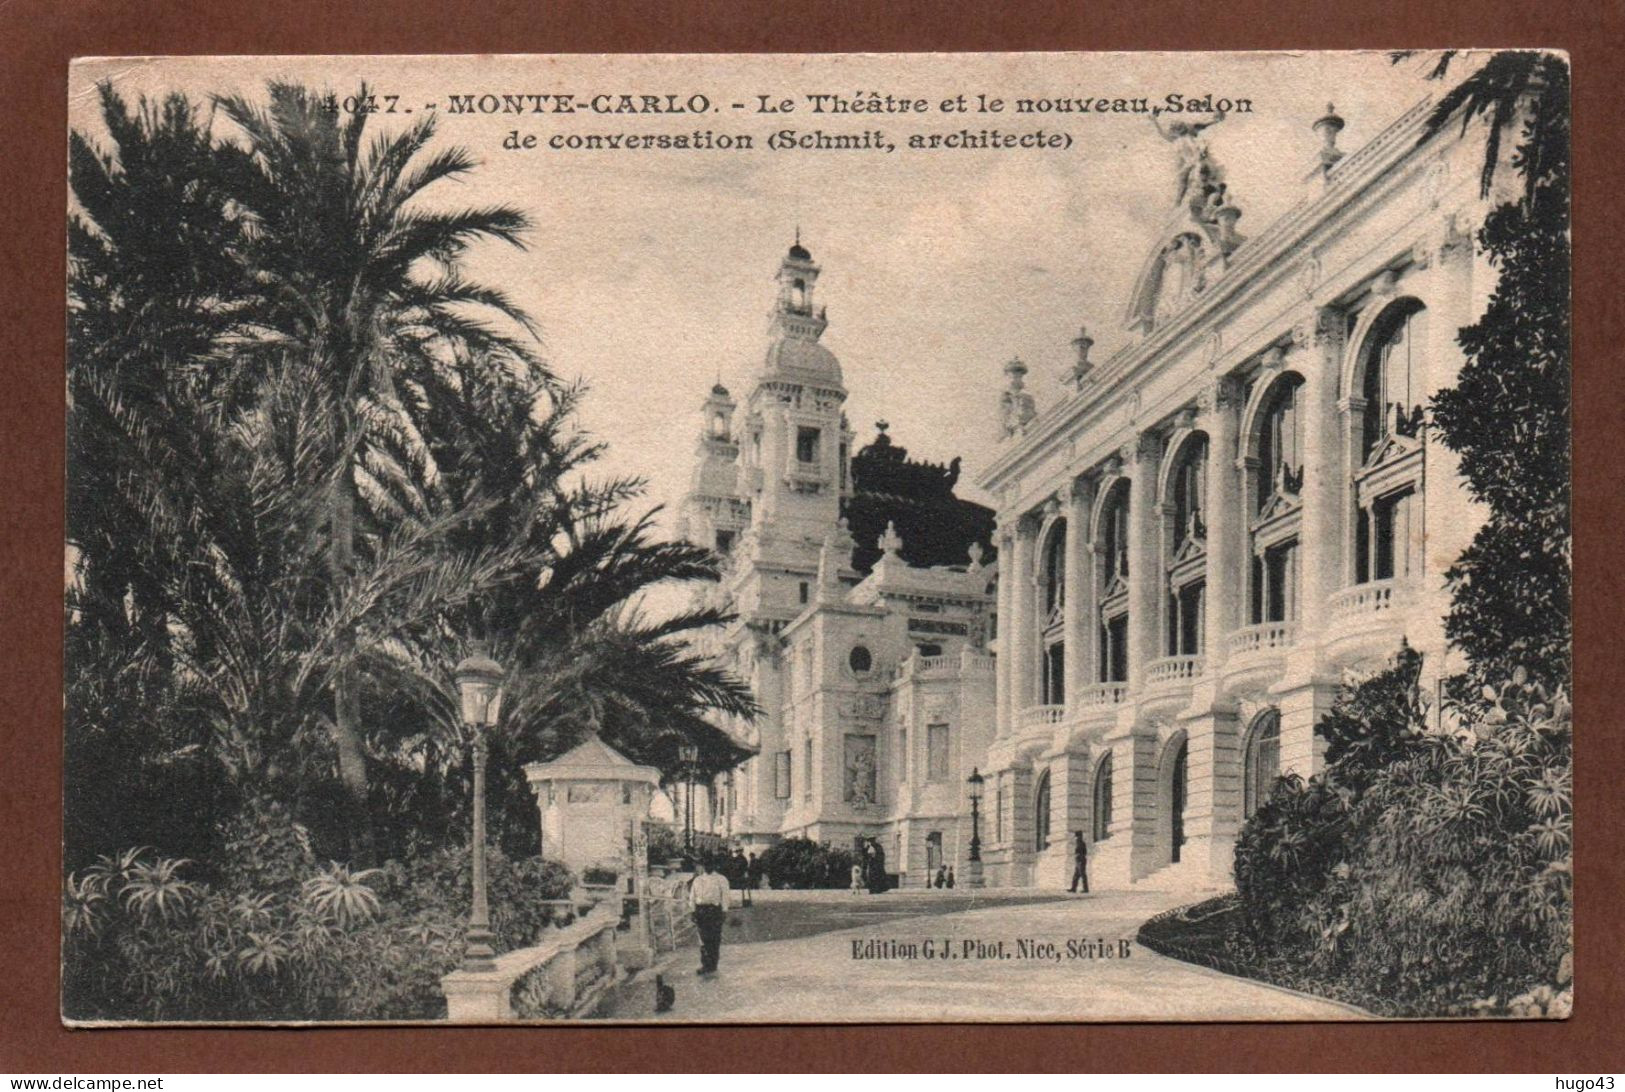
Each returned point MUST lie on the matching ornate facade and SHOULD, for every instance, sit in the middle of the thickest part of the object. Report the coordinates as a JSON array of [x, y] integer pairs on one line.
[[1197, 543], [872, 673], [1214, 526]]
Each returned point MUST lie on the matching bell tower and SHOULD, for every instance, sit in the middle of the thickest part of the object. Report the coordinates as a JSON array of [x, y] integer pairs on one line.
[[712, 514], [795, 446]]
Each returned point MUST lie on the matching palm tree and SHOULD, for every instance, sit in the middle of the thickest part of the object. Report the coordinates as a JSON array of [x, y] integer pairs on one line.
[[355, 273], [1508, 83]]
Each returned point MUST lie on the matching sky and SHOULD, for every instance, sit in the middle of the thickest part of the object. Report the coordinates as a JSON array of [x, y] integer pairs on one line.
[[650, 273]]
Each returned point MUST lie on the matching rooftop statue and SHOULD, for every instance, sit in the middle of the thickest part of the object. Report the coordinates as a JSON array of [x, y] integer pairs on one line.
[[1016, 406], [1196, 172]]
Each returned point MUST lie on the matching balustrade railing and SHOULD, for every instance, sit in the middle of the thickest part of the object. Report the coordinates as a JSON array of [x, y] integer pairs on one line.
[[1042, 716], [1172, 671], [1264, 638], [1096, 695], [1375, 597], [567, 975]]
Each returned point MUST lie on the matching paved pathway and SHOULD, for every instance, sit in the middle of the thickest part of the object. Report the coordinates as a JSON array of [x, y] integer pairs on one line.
[[882, 961]]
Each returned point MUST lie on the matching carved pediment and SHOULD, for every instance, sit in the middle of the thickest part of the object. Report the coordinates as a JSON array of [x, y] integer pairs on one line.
[[1116, 592], [1193, 549], [1276, 506], [1391, 448]]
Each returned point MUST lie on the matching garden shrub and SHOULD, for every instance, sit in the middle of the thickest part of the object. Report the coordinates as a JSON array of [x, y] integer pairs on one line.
[[803, 863], [1429, 872], [143, 941]]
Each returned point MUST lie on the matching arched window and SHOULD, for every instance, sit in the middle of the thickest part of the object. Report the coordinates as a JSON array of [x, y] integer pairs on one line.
[[1113, 583], [1101, 827], [1188, 488], [1053, 573], [1176, 803], [860, 660], [1277, 479], [1392, 380], [1388, 482], [1261, 761], [1052, 622], [1280, 449], [719, 425], [1041, 813], [1186, 548]]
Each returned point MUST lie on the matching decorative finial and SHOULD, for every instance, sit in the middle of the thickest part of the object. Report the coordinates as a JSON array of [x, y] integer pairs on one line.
[[1328, 126], [1082, 343], [976, 554], [1016, 406], [890, 542], [882, 425]]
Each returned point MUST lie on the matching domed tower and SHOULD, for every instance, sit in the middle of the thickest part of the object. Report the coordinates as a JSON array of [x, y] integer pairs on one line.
[[712, 514], [796, 446]]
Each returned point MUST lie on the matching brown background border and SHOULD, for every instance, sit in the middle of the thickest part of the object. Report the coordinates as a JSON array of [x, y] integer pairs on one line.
[[37, 37]]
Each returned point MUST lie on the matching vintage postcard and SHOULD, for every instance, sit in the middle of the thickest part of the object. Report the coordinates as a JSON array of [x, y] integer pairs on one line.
[[838, 538]]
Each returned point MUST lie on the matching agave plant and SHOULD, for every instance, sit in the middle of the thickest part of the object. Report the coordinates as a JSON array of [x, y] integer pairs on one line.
[[158, 888], [343, 896], [82, 903]]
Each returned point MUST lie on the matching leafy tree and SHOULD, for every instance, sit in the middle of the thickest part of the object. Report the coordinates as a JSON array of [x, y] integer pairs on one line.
[[208, 626], [1508, 414]]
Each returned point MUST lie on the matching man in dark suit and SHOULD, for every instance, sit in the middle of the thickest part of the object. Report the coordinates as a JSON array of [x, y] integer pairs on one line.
[[1080, 863]]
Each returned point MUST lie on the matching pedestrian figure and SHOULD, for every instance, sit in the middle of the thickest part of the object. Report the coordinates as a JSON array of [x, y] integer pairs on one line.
[[942, 876], [709, 892], [950, 877], [753, 873], [877, 867], [857, 878], [1080, 863]]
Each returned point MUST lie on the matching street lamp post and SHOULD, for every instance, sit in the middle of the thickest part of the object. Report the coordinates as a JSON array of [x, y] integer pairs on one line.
[[479, 688], [689, 755], [973, 870]]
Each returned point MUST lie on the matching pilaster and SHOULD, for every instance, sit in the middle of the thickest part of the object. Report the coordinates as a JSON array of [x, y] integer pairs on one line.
[[1144, 620], [1318, 354], [1004, 718], [1080, 598], [1226, 556], [1022, 635], [1213, 801], [1129, 852]]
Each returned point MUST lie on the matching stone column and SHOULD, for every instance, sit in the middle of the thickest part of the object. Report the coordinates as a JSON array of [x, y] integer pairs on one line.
[[1351, 437], [1129, 852], [1303, 706], [1144, 621], [1317, 357], [1022, 634], [1020, 830], [1069, 811], [1080, 600], [1003, 718], [1213, 801], [1226, 522]]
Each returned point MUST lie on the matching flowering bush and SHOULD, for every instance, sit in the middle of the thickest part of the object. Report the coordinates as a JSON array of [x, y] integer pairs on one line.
[[142, 941]]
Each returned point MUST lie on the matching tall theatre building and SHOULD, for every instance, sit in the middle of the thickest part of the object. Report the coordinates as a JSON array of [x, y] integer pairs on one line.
[[1196, 542]]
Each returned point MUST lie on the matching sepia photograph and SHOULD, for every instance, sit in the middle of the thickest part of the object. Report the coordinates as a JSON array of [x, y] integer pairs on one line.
[[837, 539]]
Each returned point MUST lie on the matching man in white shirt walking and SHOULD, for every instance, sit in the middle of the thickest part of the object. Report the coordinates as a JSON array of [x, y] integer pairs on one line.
[[709, 891]]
